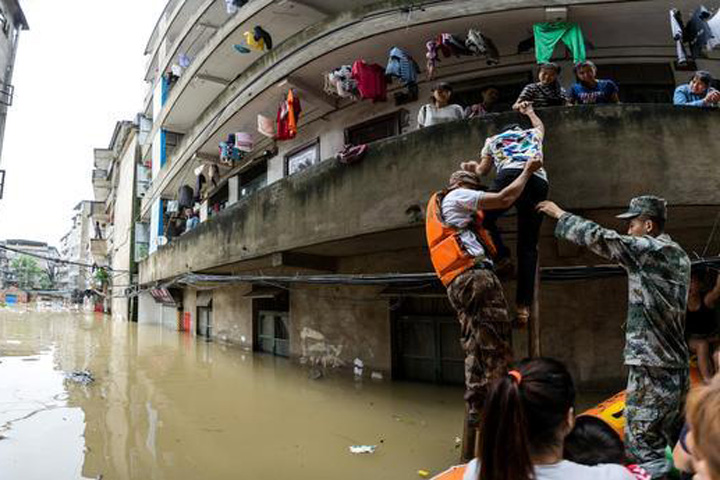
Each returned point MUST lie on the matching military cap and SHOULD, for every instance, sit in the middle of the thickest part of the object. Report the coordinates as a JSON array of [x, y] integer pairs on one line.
[[647, 205]]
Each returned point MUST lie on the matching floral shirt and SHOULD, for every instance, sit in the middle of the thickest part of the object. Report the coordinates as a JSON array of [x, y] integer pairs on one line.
[[512, 148]]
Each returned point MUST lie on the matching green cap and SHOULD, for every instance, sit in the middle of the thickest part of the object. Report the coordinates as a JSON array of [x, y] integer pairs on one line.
[[647, 205]]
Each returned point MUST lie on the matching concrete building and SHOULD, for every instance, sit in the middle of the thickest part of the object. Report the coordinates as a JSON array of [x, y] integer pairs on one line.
[[39, 252], [289, 209], [75, 247], [12, 21], [115, 188]]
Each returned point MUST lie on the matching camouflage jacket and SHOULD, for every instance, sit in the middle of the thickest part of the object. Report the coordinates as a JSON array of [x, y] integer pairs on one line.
[[658, 280]]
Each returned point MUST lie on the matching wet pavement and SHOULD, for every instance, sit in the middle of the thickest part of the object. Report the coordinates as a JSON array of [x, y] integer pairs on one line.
[[165, 406]]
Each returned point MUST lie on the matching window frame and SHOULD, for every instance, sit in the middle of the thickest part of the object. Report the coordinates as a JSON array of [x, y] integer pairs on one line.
[[315, 144], [396, 116]]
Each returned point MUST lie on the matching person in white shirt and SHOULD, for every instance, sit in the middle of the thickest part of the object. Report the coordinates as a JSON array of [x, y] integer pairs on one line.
[[440, 110], [527, 416]]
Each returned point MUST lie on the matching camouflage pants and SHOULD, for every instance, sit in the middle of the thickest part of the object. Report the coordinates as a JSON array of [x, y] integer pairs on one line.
[[654, 412], [486, 332]]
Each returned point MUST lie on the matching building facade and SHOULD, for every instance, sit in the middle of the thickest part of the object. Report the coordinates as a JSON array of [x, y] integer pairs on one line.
[[115, 189], [53, 273], [12, 21], [75, 247], [310, 257]]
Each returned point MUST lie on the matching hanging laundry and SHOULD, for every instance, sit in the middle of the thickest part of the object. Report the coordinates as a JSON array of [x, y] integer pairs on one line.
[[547, 35], [714, 24], [288, 116], [230, 7], [266, 126], [252, 44], [678, 34], [698, 33], [340, 82], [244, 142], [261, 34], [481, 46], [176, 70], [184, 60], [370, 80], [402, 66], [185, 196], [241, 48], [431, 58]]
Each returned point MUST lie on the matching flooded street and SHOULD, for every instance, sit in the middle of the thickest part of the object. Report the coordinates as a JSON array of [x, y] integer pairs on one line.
[[165, 406]]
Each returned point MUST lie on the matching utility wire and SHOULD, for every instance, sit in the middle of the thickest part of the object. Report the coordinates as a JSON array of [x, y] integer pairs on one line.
[[60, 260]]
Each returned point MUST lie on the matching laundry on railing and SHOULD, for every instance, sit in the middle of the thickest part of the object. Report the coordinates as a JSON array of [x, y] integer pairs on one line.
[[244, 142]]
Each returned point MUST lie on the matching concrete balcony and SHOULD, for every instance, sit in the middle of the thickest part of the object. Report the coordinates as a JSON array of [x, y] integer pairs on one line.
[[99, 249], [597, 159], [98, 212], [207, 112]]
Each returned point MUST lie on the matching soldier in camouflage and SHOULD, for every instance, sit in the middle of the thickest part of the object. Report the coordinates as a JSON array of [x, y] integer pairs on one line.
[[655, 349]]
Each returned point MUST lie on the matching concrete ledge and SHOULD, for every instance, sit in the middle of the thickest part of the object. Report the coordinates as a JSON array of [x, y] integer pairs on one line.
[[596, 157]]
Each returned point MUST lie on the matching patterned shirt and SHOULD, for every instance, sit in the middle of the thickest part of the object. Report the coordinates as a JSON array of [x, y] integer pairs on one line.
[[658, 281], [512, 148], [542, 95]]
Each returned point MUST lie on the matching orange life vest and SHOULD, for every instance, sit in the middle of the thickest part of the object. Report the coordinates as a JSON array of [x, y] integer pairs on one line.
[[447, 252]]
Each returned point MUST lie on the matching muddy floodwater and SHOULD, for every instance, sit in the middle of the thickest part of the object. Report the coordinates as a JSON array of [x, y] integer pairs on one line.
[[165, 406]]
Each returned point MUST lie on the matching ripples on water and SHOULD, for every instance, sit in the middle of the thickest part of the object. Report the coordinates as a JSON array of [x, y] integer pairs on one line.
[[164, 406]]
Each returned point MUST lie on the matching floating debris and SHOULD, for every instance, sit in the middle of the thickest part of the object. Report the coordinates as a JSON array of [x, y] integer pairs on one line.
[[83, 377], [423, 473], [360, 449]]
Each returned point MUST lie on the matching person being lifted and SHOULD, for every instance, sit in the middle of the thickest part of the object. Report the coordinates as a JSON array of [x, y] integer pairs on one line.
[[462, 254], [655, 349], [509, 151]]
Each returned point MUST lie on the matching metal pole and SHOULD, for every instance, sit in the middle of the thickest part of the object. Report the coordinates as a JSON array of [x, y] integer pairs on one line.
[[534, 343]]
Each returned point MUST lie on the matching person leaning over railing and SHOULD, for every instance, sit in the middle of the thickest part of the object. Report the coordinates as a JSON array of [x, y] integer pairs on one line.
[[697, 93], [588, 89], [547, 92]]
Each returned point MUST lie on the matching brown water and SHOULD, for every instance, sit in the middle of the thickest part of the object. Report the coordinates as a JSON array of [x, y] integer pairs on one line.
[[165, 406]]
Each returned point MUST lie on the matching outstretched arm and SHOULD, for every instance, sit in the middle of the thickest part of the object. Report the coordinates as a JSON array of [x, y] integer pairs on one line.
[[508, 195], [713, 295], [526, 108], [628, 251]]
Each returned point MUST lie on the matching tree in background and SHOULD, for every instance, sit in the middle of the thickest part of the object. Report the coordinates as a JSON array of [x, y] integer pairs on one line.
[[28, 274]]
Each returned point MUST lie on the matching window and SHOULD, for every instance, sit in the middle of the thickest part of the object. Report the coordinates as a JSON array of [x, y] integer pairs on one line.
[[302, 158], [509, 86], [641, 83], [253, 179], [375, 129]]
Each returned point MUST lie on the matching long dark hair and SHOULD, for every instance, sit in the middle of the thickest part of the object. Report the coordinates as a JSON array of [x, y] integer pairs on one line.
[[523, 418]]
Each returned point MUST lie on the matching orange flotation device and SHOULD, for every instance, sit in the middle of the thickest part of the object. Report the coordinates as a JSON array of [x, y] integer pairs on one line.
[[448, 256]]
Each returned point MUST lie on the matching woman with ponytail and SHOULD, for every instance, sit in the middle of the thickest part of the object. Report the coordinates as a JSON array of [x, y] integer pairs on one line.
[[527, 416]]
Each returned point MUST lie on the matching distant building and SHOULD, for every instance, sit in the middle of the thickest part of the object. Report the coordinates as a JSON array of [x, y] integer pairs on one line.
[[75, 247], [39, 252]]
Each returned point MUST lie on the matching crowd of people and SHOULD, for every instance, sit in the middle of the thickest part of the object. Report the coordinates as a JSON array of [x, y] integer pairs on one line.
[[548, 92], [526, 415]]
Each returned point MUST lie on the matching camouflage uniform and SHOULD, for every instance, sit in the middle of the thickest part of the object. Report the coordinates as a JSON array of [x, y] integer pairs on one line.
[[655, 350], [486, 332]]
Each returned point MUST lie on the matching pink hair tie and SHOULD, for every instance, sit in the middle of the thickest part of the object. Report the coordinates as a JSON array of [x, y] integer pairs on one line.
[[516, 375]]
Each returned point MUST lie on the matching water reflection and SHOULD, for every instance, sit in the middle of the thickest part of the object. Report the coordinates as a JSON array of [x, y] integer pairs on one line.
[[164, 406]]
